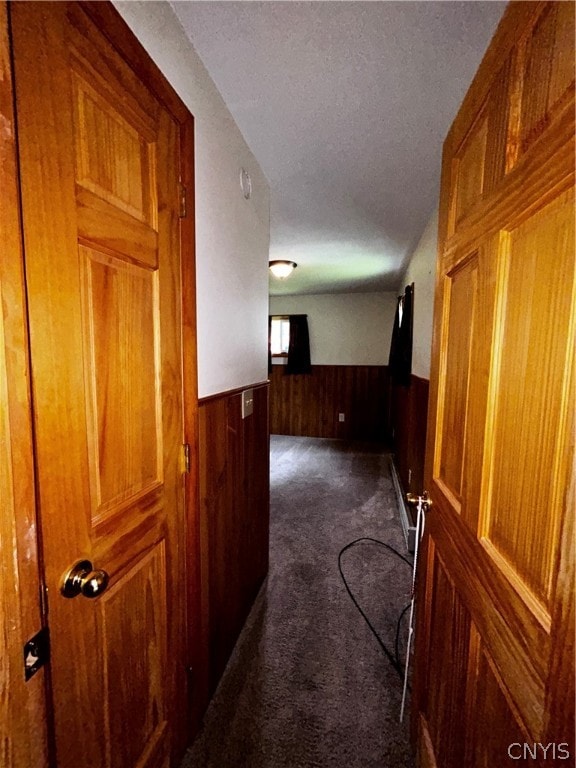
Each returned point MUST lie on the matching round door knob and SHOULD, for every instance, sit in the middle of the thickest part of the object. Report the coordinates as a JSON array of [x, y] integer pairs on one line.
[[82, 579], [413, 499]]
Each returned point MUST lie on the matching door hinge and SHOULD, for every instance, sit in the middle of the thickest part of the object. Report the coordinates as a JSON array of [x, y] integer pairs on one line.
[[186, 448], [36, 653], [182, 195]]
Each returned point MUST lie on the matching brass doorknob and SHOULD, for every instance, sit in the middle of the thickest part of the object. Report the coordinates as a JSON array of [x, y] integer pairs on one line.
[[413, 499], [82, 579]]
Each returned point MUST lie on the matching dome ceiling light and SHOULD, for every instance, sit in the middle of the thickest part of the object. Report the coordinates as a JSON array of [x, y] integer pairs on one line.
[[281, 269]]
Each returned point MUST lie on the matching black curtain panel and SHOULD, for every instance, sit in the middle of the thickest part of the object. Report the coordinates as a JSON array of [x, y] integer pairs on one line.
[[400, 360], [299, 346], [269, 343], [395, 342]]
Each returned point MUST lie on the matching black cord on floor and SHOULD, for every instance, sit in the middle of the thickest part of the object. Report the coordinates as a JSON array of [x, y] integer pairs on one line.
[[393, 658]]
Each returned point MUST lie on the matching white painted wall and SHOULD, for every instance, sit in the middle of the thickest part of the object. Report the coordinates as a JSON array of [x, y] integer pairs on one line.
[[232, 234], [345, 328], [421, 271]]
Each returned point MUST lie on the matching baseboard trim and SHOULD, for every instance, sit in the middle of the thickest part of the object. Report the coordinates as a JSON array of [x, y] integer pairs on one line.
[[408, 526]]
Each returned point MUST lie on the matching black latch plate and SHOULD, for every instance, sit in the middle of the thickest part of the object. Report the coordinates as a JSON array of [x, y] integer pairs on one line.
[[36, 653]]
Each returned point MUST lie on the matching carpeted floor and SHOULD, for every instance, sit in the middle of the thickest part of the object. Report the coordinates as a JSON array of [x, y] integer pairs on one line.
[[307, 685]]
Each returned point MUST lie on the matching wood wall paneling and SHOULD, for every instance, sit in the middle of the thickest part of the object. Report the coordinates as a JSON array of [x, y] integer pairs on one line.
[[308, 404], [408, 417], [234, 509]]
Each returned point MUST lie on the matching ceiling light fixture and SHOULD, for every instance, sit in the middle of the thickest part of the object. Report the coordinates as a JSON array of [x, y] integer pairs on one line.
[[281, 268]]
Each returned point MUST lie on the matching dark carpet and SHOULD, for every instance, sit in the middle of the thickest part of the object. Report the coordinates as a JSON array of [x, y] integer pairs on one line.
[[308, 685]]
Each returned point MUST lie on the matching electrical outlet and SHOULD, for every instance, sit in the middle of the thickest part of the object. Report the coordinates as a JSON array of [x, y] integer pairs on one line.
[[341, 417]]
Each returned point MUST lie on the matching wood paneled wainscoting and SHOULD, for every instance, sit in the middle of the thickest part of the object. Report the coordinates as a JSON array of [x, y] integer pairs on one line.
[[408, 416], [309, 404], [234, 510]]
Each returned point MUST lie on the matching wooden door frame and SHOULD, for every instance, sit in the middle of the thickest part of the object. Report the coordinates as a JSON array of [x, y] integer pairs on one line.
[[20, 591], [23, 710]]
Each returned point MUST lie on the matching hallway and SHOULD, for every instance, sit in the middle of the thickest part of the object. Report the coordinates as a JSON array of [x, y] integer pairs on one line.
[[307, 684]]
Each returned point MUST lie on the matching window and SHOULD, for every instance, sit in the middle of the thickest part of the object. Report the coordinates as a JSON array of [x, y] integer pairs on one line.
[[289, 339], [279, 336]]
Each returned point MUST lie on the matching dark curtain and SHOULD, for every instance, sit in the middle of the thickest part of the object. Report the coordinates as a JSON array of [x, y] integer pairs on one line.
[[269, 343], [400, 360], [299, 347]]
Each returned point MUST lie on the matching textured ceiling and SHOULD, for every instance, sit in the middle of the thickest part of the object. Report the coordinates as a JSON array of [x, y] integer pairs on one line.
[[345, 106]]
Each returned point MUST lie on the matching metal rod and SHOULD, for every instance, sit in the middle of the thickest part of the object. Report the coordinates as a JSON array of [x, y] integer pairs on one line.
[[419, 533]]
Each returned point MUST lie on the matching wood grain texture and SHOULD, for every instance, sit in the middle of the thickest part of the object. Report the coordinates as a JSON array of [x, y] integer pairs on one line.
[[448, 645], [561, 681], [122, 339], [106, 357], [127, 179], [425, 756], [408, 417], [460, 295], [469, 168], [142, 681], [113, 230], [490, 704], [499, 455], [234, 498], [105, 17], [547, 70], [533, 359], [309, 405], [23, 721]]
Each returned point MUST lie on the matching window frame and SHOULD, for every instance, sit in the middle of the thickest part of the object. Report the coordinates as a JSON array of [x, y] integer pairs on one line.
[[282, 318]]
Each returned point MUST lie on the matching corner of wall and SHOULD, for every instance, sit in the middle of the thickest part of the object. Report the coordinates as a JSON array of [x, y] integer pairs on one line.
[[421, 271]]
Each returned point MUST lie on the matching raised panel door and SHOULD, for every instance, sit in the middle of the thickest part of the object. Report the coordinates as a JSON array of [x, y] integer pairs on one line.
[[100, 161], [495, 640]]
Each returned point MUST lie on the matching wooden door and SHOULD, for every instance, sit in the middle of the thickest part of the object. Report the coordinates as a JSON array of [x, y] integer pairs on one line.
[[23, 722], [100, 156], [495, 634]]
